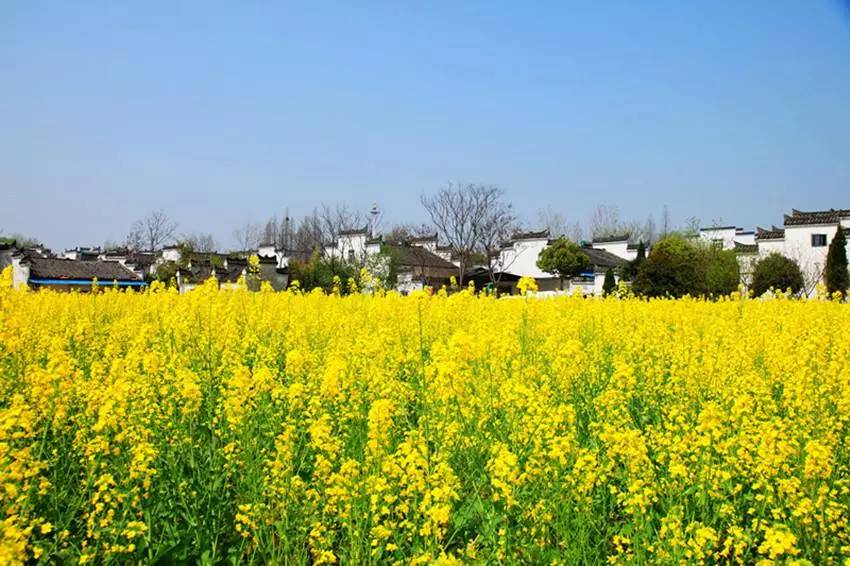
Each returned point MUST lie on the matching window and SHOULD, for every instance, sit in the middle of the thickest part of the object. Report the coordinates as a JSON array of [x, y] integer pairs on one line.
[[351, 256], [818, 240]]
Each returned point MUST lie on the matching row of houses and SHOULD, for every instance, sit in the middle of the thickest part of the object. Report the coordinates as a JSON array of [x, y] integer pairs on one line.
[[83, 268], [421, 261]]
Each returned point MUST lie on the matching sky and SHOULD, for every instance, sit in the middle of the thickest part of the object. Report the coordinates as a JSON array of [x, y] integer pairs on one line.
[[223, 113]]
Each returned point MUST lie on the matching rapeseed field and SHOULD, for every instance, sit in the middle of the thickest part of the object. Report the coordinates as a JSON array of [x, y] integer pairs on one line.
[[237, 426]]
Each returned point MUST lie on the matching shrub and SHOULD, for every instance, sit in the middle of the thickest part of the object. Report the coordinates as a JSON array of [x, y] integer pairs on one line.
[[564, 258], [610, 284], [673, 268], [837, 277], [776, 272], [722, 272]]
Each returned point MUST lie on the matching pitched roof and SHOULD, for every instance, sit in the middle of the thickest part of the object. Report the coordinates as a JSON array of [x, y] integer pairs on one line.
[[602, 258], [53, 268], [414, 256], [425, 238], [831, 216], [531, 235], [355, 231], [612, 238], [746, 248], [773, 233]]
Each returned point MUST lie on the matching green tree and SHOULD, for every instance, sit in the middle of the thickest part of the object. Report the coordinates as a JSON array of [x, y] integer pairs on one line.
[[631, 269], [776, 272], [564, 258], [610, 284], [722, 271], [674, 268], [319, 272], [837, 276]]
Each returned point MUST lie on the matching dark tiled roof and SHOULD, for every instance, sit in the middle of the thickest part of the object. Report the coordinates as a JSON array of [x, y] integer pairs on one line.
[[612, 238], [51, 268], [377, 240], [427, 238], [773, 233], [414, 256], [531, 235], [602, 258], [746, 248], [831, 216], [355, 231], [708, 228], [141, 259]]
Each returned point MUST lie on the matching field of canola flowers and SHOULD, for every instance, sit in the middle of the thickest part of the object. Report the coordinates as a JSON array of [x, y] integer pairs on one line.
[[230, 426]]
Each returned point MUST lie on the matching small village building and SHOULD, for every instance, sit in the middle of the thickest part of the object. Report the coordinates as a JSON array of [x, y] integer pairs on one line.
[[726, 237], [619, 245], [67, 274], [417, 267], [354, 246], [519, 256]]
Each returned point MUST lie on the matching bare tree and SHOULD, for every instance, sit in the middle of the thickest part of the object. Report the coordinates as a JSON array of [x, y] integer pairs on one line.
[[271, 231], [606, 221], [247, 236], [666, 223], [459, 212], [558, 225], [335, 223], [151, 232], [199, 242], [496, 225]]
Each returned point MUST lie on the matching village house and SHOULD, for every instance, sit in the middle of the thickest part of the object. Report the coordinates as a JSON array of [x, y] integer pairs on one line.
[[619, 245], [417, 267], [805, 238], [727, 237], [62, 274], [353, 246], [519, 256]]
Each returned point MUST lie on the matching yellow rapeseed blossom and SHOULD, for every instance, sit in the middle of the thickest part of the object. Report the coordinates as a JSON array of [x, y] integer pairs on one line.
[[304, 427]]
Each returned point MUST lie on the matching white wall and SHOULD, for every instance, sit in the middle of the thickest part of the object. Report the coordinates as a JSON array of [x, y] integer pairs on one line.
[[619, 248], [20, 273], [724, 236], [521, 258], [354, 243]]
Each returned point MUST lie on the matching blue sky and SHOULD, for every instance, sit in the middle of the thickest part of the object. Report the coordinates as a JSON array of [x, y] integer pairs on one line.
[[223, 113]]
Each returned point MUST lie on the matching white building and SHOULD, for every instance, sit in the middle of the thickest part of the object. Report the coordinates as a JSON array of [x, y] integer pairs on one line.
[[617, 245], [726, 237], [805, 238], [354, 246], [519, 257]]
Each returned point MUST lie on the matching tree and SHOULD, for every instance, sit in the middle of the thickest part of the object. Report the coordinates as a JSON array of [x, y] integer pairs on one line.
[[632, 268], [666, 223], [248, 236], [497, 224], [836, 274], [557, 224], [563, 258], [202, 243], [610, 284], [20, 240], [151, 232], [458, 212], [776, 272], [606, 221], [722, 271], [672, 269]]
